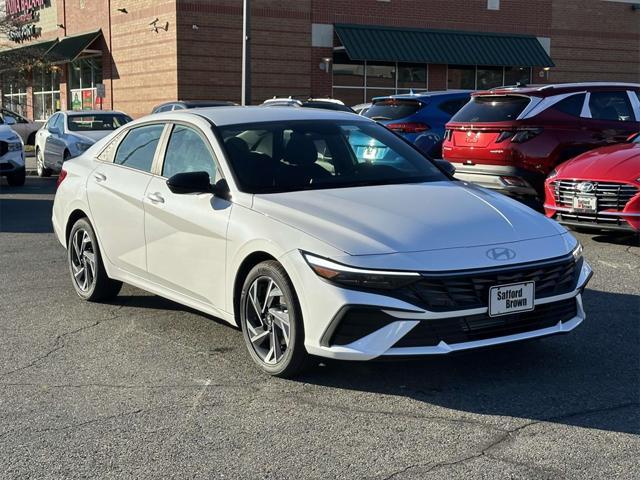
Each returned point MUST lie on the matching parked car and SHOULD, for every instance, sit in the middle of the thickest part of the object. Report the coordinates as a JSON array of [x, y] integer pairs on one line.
[[323, 103], [361, 108], [419, 117], [234, 212], [598, 189], [68, 134], [11, 155], [188, 104], [510, 139], [23, 127]]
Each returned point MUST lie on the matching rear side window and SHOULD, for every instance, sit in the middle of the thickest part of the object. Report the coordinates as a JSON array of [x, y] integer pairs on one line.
[[139, 147], [492, 109], [611, 106], [451, 107], [571, 105], [392, 109]]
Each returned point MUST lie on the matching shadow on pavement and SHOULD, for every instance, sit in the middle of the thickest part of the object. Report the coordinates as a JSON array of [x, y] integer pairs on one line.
[[626, 239], [588, 378], [25, 215]]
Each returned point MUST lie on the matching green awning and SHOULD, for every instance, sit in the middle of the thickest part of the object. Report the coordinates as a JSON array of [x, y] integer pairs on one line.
[[70, 48], [413, 45], [24, 55]]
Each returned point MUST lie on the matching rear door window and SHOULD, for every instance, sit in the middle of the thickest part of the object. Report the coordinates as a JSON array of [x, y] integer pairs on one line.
[[139, 147], [392, 109], [613, 106], [451, 107], [492, 108]]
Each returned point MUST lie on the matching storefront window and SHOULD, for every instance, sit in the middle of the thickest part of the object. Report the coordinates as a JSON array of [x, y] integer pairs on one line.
[[347, 72], [46, 92], [515, 75], [461, 77], [14, 93], [381, 75], [412, 76], [489, 77], [85, 74]]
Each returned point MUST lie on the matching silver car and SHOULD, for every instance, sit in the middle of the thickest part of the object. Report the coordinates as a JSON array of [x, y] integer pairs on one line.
[[69, 134]]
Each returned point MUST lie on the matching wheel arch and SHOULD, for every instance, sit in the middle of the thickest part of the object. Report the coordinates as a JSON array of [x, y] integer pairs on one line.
[[73, 217], [243, 270]]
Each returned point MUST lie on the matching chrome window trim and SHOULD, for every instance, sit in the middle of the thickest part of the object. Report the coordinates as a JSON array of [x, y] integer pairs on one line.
[[635, 103]]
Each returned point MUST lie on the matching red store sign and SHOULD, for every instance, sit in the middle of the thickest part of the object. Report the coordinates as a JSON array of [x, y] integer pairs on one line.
[[20, 7]]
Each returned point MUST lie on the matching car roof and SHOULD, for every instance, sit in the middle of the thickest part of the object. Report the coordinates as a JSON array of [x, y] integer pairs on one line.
[[557, 88], [425, 95], [222, 116], [80, 113]]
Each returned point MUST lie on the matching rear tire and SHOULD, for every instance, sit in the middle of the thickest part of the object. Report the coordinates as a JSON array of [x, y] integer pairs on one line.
[[88, 274], [41, 169], [271, 321], [17, 178]]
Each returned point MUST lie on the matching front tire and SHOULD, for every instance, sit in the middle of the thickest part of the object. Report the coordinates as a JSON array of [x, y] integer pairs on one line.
[[88, 274], [271, 321], [17, 178], [41, 169]]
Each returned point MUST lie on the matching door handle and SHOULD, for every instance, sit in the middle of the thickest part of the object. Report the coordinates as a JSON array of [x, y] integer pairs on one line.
[[155, 198], [100, 177]]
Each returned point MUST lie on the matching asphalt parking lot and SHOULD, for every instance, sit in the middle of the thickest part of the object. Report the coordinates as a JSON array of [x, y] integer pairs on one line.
[[145, 388]]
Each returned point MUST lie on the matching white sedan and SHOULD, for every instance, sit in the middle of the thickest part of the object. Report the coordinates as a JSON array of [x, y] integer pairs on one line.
[[271, 219], [11, 156]]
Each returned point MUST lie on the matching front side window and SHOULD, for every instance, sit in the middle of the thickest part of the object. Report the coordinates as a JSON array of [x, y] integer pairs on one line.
[[492, 108], [97, 122], [139, 147], [310, 155], [188, 152], [613, 106]]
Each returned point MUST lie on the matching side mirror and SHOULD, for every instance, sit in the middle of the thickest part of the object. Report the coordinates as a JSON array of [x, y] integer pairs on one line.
[[190, 182], [54, 130], [9, 120], [446, 166]]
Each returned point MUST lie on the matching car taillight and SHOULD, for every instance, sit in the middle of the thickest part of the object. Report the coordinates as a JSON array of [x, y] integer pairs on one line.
[[408, 127], [61, 177], [505, 135], [522, 135]]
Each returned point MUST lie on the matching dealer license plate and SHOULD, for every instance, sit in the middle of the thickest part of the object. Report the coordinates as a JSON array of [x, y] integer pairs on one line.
[[512, 298], [585, 203]]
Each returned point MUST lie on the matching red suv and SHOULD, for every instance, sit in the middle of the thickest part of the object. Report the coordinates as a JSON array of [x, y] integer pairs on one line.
[[509, 139]]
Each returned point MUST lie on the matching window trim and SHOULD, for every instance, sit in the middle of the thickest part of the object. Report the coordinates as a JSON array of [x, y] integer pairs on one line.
[[634, 98], [161, 155]]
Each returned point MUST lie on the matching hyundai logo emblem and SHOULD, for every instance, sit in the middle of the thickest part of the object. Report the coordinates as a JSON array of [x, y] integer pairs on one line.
[[501, 254], [585, 187]]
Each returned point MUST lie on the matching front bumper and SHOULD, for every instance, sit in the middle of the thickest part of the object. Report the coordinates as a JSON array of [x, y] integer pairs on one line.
[[602, 220], [11, 162], [397, 318]]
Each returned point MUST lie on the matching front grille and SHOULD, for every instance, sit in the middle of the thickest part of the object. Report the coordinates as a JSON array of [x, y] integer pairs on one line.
[[429, 333], [611, 196], [461, 291]]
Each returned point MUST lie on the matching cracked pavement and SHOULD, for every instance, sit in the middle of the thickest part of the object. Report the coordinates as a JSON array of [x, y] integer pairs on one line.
[[142, 387]]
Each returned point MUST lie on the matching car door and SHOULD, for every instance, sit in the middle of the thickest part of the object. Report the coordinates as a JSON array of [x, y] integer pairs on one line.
[[611, 117], [115, 190], [186, 233], [54, 142]]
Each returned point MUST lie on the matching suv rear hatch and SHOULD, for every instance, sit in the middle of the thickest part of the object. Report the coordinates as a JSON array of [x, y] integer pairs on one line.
[[392, 111], [481, 129]]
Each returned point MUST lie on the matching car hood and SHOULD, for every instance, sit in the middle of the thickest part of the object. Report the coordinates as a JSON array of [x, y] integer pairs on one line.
[[406, 218], [7, 133], [92, 136], [619, 163]]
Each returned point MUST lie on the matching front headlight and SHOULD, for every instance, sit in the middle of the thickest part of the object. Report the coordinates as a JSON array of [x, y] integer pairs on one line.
[[577, 252], [81, 147], [14, 147], [359, 278]]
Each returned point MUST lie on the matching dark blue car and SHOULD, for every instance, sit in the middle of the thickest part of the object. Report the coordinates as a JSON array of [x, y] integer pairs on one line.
[[419, 117]]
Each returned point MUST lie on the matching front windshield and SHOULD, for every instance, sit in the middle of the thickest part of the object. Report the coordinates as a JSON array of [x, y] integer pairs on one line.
[[310, 155], [96, 122]]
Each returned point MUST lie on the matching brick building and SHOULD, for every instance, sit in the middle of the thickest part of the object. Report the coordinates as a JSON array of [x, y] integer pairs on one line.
[[146, 52]]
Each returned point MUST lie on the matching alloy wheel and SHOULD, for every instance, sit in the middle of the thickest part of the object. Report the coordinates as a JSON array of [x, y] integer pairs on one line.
[[40, 164], [83, 260], [267, 320]]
